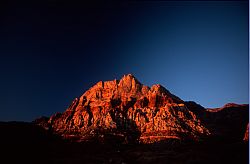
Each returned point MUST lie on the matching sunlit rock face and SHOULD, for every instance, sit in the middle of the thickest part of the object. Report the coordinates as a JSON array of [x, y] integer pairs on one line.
[[130, 110], [246, 136]]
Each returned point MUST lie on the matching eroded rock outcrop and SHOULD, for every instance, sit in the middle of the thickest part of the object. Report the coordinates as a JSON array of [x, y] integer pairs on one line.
[[130, 110]]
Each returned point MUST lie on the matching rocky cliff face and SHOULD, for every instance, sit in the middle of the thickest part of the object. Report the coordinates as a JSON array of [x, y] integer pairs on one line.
[[130, 110]]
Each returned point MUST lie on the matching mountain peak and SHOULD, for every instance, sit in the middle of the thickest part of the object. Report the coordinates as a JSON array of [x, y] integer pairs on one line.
[[126, 106], [129, 75]]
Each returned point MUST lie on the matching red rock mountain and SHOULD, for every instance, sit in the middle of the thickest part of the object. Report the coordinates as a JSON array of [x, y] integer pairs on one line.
[[129, 111]]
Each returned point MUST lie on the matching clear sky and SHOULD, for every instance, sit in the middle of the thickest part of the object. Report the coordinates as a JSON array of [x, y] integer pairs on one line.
[[52, 52]]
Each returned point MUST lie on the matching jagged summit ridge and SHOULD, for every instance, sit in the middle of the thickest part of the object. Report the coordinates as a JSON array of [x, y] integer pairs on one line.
[[126, 88], [128, 108]]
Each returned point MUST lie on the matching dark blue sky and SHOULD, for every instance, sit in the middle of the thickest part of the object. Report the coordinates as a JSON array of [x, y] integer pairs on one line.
[[52, 52]]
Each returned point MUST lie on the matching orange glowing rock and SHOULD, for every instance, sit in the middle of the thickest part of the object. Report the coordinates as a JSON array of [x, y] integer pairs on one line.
[[133, 112], [127, 105]]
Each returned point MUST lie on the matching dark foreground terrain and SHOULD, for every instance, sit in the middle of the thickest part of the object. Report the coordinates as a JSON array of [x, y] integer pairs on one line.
[[28, 143]]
